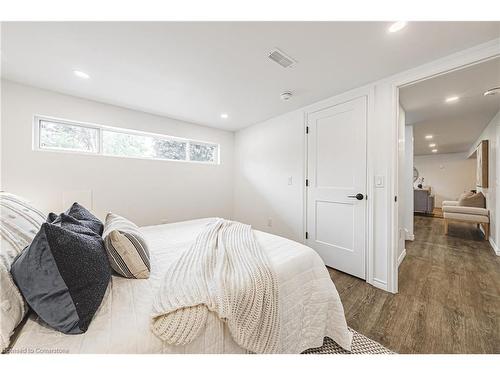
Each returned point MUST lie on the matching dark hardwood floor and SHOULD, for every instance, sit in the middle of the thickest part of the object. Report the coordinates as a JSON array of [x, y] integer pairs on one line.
[[448, 300]]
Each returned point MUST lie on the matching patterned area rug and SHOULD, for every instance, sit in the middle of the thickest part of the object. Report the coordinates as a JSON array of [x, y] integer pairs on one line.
[[360, 345]]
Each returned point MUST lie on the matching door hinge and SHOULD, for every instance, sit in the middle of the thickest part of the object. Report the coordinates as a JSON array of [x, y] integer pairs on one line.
[[307, 129], [307, 235], [307, 182]]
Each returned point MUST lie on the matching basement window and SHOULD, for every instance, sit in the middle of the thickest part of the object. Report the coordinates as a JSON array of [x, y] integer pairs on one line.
[[59, 136], [52, 134]]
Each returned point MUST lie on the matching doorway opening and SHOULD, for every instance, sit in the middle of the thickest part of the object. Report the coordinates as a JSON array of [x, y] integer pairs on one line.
[[447, 129], [449, 206]]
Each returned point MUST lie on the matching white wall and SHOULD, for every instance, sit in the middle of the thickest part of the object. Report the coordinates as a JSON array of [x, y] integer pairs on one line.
[[267, 155], [146, 191], [448, 175], [491, 133], [408, 183]]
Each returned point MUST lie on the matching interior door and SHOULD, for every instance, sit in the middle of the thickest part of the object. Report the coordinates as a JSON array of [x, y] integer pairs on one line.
[[336, 179]]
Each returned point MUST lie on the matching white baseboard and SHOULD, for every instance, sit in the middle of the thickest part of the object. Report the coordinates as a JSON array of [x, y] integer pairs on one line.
[[408, 236], [401, 257], [494, 246], [379, 284]]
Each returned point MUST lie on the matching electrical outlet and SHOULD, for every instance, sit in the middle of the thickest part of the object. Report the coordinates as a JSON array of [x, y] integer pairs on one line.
[[290, 180], [270, 222]]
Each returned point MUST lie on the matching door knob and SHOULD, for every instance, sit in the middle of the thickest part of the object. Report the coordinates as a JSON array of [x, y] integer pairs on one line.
[[358, 196]]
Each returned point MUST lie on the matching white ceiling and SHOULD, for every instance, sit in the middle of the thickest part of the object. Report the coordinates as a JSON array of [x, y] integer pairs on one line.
[[456, 125], [195, 71]]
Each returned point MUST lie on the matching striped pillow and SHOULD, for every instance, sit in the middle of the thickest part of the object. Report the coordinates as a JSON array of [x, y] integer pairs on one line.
[[126, 247]]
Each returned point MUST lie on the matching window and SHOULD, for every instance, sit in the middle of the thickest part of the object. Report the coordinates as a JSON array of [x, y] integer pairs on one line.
[[55, 135], [61, 135], [202, 152]]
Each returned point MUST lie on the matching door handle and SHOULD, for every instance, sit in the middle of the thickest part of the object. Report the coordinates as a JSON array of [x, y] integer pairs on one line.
[[358, 196]]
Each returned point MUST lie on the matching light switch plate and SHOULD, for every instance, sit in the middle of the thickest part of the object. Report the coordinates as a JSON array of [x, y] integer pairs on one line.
[[379, 181]]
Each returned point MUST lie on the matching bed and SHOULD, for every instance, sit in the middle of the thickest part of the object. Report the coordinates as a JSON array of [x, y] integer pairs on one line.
[[310, 305]]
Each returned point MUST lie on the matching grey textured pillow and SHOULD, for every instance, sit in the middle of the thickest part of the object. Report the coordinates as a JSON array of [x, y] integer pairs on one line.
[[474, 200], [127, 249], [63, 274], [80, 213]]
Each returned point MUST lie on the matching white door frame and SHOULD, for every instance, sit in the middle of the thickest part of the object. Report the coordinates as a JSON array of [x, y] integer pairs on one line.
[[368, 92], [450, 63]]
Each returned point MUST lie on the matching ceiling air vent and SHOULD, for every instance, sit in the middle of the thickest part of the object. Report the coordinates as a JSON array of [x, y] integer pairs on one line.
[[281, 58]]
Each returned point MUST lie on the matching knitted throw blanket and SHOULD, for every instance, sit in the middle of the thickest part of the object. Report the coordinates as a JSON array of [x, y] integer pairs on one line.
[[225, 272]]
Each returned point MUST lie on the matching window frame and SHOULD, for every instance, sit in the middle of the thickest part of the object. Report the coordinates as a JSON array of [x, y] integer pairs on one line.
[[37, 119]]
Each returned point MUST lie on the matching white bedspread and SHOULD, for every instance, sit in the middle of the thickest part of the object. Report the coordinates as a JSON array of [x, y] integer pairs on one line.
[[310, 305]]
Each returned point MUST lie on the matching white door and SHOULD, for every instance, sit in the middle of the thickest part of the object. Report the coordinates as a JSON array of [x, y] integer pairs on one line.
[[336, 191]]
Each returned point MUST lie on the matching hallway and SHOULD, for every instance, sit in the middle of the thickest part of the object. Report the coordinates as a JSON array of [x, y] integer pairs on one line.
[[448, 300]]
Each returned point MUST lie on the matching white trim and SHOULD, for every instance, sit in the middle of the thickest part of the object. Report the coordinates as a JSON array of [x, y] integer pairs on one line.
[[494, 246], [304, 177], [370, 188], [401, 257], [379, 283], [101, 128], [444, 65], [410, 237]]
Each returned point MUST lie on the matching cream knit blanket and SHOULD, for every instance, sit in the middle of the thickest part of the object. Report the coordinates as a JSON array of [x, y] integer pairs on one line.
[[225, 272]]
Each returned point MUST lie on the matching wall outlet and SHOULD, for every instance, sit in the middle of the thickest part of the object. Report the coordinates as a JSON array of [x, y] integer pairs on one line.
[[270, 222], [290, 180]]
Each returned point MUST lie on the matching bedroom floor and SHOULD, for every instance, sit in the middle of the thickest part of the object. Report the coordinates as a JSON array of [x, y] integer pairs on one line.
[[448, 300]]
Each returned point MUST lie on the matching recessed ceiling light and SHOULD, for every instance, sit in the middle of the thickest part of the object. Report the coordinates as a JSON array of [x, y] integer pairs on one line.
[[493, 91], [435, 150], [432, 145], [396, 26], [452, 99], [81, 74], [224, 115], [428, 136]]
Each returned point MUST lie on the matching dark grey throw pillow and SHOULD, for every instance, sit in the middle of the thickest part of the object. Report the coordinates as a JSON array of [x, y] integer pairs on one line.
[[80, 213], [63, 274]]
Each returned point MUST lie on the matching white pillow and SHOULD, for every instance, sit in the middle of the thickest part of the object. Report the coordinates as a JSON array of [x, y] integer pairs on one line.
[[19, 223]]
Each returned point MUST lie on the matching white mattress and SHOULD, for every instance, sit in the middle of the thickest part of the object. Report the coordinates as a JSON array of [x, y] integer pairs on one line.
[[310, 305]]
